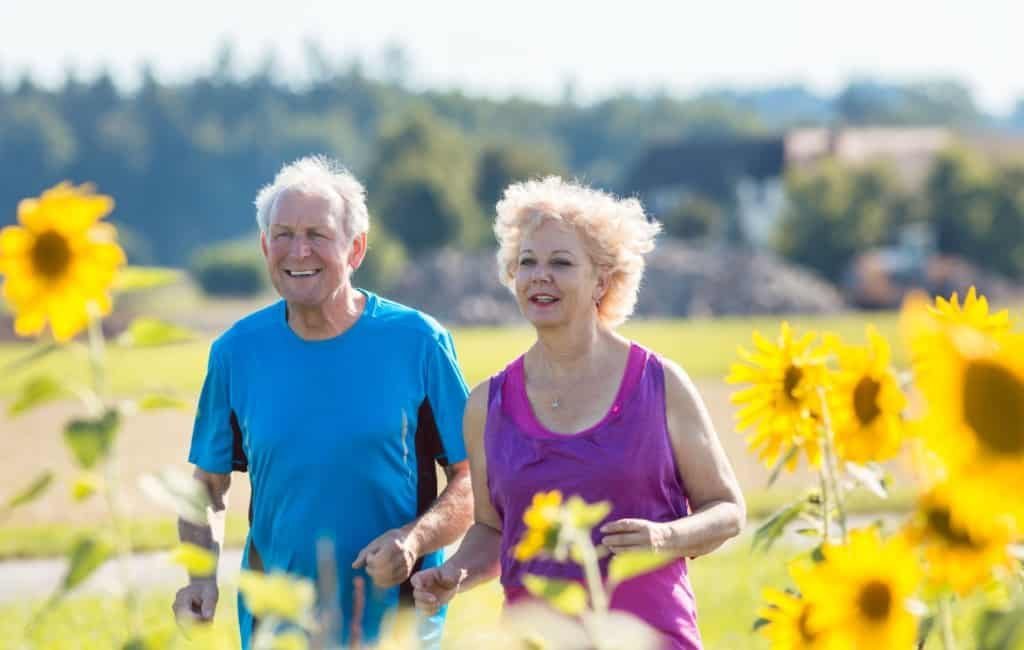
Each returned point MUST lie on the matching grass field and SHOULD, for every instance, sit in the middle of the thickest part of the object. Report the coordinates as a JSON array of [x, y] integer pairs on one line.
[[727, 584]]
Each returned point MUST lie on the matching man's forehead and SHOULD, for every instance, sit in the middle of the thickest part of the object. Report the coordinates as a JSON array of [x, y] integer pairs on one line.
[[298, 204]]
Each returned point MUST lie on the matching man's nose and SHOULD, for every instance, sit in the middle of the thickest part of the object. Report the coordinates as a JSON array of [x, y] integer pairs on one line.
[[300, 246]]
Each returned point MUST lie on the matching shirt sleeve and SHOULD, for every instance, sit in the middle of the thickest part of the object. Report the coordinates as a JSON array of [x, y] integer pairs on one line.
[[213, 443], [447, 393]]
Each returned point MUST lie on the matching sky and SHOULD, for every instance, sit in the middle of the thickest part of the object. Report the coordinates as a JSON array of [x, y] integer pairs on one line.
[[532, 48]]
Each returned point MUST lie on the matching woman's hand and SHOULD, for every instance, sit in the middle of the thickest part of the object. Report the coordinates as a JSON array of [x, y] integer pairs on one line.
[[434, 588], [635, 535]]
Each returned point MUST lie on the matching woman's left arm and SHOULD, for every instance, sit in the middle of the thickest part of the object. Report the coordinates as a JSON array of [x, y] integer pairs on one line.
[[716, 502]]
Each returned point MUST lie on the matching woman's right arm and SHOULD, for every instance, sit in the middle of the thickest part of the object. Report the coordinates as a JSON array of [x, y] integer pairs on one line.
[[478, 557]]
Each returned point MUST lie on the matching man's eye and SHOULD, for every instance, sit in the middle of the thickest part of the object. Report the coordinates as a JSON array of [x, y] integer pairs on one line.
[[282, 234]]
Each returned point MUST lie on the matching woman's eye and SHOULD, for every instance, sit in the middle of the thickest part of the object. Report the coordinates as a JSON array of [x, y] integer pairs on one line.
[[527, 262], [561, 262]]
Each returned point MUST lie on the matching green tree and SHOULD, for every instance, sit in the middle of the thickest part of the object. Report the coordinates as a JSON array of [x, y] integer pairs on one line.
[[420, 184], [834, 211], [694, 217]]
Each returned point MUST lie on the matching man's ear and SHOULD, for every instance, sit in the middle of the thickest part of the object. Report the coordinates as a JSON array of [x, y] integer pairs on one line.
[[358, 252], [263, 245]]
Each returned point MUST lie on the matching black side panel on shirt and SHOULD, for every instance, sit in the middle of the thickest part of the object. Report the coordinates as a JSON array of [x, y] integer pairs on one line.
[[429, 450]]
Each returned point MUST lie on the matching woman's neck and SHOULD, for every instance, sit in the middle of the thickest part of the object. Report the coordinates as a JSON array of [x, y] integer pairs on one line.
[[328, 319], [568, 352]]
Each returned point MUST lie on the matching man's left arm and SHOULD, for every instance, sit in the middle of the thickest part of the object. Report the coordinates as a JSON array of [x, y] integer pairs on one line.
[[391, 557]]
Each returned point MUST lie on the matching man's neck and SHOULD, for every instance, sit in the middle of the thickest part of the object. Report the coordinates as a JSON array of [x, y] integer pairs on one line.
[[329, 319]]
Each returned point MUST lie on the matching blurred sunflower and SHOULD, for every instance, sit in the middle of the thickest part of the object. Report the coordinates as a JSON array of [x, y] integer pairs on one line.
[[973, 313], [542, 523], [865, 401], [859, 592], [973, 425], [781, 402], [789, 622], [955, 558], [59, 261]]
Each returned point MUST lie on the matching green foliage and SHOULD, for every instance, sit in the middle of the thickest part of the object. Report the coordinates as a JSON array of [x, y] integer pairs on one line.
[[30, 492], [384, 262], [835, 210], [232, 269], [36, 391], [87, 555], [420, 185], [634, 563], [502, 164], [145, 332], [772, 528], [567, 596], [695, 217], [90, 439], [976, 209]]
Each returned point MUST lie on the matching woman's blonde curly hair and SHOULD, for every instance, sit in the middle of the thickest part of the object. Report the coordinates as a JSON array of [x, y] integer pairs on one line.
[[616, 233]]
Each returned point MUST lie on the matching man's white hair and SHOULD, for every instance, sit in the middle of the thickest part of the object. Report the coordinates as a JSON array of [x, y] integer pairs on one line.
[[326, 177]]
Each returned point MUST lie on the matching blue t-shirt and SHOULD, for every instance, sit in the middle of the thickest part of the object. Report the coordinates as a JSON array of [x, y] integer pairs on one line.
[[339, 436]]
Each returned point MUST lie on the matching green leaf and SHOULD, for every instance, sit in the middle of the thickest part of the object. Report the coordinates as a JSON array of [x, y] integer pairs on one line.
[[1000, 629], [178, 491], [634, 563], [140, 278], [924, 629], [87, 555], [33, 355], [90, 439], [869, 477], [145, 332], [781, 462], [772, 529], [566, 596], [759, 623], [32, 491], [156, 401], [34, 392]]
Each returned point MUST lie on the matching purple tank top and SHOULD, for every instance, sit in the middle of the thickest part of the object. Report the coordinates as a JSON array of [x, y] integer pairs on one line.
[[626, 459]]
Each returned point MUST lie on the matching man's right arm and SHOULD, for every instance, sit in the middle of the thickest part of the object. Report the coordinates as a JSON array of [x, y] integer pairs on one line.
[[198, 599]]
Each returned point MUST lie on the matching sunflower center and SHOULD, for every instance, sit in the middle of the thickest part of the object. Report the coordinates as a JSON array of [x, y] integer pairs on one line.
[[865, 400], [51, 254], [875, 600], [940, 523], [791, 380], [994, 407]]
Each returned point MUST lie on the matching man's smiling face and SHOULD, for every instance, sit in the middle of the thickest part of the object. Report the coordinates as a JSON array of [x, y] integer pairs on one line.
[[307, 250]]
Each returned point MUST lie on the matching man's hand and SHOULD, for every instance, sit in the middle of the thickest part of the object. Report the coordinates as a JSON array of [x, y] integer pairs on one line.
[[433, 588], [635, 535], [196, 602], [389, 559]]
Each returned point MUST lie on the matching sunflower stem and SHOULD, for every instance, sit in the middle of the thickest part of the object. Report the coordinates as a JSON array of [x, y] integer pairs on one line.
[[831, 466], [592, 573], [946, 622], [122, 535], [826, 507]]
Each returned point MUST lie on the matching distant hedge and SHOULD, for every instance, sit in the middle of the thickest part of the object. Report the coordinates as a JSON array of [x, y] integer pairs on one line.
[[231, 269]]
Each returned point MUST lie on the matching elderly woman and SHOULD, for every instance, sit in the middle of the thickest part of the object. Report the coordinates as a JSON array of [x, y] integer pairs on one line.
[[590, 413]]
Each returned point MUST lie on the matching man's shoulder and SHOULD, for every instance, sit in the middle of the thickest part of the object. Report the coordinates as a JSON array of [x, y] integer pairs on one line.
[[251, 328], [406, 319]]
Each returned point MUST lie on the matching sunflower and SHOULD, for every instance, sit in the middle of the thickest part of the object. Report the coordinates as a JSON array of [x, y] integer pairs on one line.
[[974, 313], [859, 592], [865, 401], [60, 262], [789, 621], [954, 557], [542, 522], [973, 425], [781, 403]]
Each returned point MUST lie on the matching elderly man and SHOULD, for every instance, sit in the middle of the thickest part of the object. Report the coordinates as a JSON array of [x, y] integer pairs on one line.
[[338, 402]]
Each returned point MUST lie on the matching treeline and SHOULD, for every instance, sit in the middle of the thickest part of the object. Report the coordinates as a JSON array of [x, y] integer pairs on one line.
[[969, 205], [184, 161]]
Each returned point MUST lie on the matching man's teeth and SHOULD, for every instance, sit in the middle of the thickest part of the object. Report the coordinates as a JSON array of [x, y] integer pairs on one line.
[[301, 274]]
